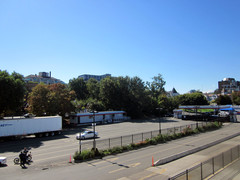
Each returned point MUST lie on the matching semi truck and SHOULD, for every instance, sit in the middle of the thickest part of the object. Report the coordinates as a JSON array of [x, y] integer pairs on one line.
[[38, 126]]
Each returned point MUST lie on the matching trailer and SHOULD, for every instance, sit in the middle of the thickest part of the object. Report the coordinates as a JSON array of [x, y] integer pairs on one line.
[[97, 117], [38, 126]]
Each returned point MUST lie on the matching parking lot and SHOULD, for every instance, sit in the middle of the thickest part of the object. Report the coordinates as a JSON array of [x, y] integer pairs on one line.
[[130, 127], [57, 149]]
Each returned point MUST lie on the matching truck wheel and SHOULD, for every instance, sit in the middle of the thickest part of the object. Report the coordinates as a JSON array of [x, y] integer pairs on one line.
[[52, 134], [40, 135], [47, 134]]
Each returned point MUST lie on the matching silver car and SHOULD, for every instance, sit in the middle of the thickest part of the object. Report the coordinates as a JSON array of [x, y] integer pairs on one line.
[[86, 135]]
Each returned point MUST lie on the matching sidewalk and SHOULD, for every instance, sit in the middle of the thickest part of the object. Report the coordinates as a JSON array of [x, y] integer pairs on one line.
[[226, 138]]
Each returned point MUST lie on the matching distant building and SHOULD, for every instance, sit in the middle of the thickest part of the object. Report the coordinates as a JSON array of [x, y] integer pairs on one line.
[[210, 96], [173, 93], [192, 91], [228, 85], [43, 77], [97, 77]]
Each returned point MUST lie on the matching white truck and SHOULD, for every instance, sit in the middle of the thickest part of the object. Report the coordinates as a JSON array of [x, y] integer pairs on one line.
[[38, 126]]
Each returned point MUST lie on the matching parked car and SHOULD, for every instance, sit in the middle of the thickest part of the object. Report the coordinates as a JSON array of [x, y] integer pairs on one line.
[[86, 135], [3, 160]]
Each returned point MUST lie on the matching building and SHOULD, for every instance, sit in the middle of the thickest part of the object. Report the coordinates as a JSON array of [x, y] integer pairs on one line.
[[210, 96], [97, 77], [43, 77], [173, 93], [228, 85]]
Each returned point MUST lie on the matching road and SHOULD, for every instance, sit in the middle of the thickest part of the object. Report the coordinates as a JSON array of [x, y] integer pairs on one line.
[[52, 150], [131, 165]]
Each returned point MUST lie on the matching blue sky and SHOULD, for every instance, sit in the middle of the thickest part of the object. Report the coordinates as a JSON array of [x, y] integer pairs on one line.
[[192, 44]]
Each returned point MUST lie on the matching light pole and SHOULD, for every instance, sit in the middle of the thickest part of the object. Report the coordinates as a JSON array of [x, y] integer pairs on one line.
[[80, 143], [94, 124], [159, 121]]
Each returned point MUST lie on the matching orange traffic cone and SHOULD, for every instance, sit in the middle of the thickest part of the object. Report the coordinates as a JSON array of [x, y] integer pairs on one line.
[[152, 161], [70, 160]]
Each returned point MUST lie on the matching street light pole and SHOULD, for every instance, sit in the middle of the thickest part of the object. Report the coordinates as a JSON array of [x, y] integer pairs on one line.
[[94, 124], [80, 143], [159, 121]]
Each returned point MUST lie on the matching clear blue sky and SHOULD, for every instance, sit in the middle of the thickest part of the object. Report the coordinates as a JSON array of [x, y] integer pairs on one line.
[[192, 44]]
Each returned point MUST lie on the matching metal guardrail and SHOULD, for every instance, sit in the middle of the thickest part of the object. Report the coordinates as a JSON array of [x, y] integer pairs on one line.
[[103, 144], [209, 167]]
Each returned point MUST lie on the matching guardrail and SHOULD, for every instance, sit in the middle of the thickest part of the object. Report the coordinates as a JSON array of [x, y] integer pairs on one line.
[[209, 167]]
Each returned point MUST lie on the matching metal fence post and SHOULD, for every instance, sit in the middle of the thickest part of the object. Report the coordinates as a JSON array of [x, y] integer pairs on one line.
[[213, 165], [109, 143], [238, 151], [187, 174], [151, 135], [132, 138], [222, 159], [201, 172], [121, 141], [142, 137]]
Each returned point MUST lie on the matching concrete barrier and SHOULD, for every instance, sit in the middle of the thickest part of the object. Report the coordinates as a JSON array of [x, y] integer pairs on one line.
[[194, 150]]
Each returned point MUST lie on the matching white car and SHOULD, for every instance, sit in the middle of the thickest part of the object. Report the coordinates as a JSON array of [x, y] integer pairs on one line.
[[3, 160], [86, 134]]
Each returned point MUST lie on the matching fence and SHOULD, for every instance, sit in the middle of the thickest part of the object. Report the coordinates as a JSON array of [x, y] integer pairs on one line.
[[136, 138], [209, 167]]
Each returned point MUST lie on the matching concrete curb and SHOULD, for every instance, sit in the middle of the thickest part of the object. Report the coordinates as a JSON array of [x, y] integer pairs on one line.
[[194, 150]]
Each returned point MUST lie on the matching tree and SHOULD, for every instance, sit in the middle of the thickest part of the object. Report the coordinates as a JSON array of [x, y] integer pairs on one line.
[[79, 86], [108, 93], [39, 100], [223, 100], [12, 93], [93, 88], [157, 86], [236, 98], [192, 99], [51, 100], [167, 104]]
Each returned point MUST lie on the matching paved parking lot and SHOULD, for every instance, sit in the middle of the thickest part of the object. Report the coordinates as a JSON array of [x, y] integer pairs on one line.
[[130, 127]]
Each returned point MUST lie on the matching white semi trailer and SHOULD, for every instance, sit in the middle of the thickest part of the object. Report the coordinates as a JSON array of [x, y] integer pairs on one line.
[[38, 126]]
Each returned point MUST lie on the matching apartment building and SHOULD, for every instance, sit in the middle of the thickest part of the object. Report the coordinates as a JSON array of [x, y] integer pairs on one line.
[[42, 77], [228, 85]]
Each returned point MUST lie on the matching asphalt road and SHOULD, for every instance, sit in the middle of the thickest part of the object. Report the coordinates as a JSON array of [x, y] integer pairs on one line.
[[53, 150], [130, 165]]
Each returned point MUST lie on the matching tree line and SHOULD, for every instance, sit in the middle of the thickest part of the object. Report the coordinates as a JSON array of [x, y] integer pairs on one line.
[[130, 94]]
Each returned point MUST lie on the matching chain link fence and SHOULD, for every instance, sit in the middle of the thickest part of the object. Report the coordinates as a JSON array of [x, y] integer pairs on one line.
[[209, 167], [103, 144]]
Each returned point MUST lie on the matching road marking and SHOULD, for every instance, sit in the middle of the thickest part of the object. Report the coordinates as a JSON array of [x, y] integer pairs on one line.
[[148, 176], [122, 168], [103, 161], [134, 165], [116, 170]]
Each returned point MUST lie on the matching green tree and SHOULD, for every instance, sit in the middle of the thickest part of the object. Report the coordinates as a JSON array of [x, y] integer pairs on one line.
[[93, 88], [236, 98], [12, 93], [79, 86], [156, 87], [108, 93], [167, 104], [193, 99], [223, 100]]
